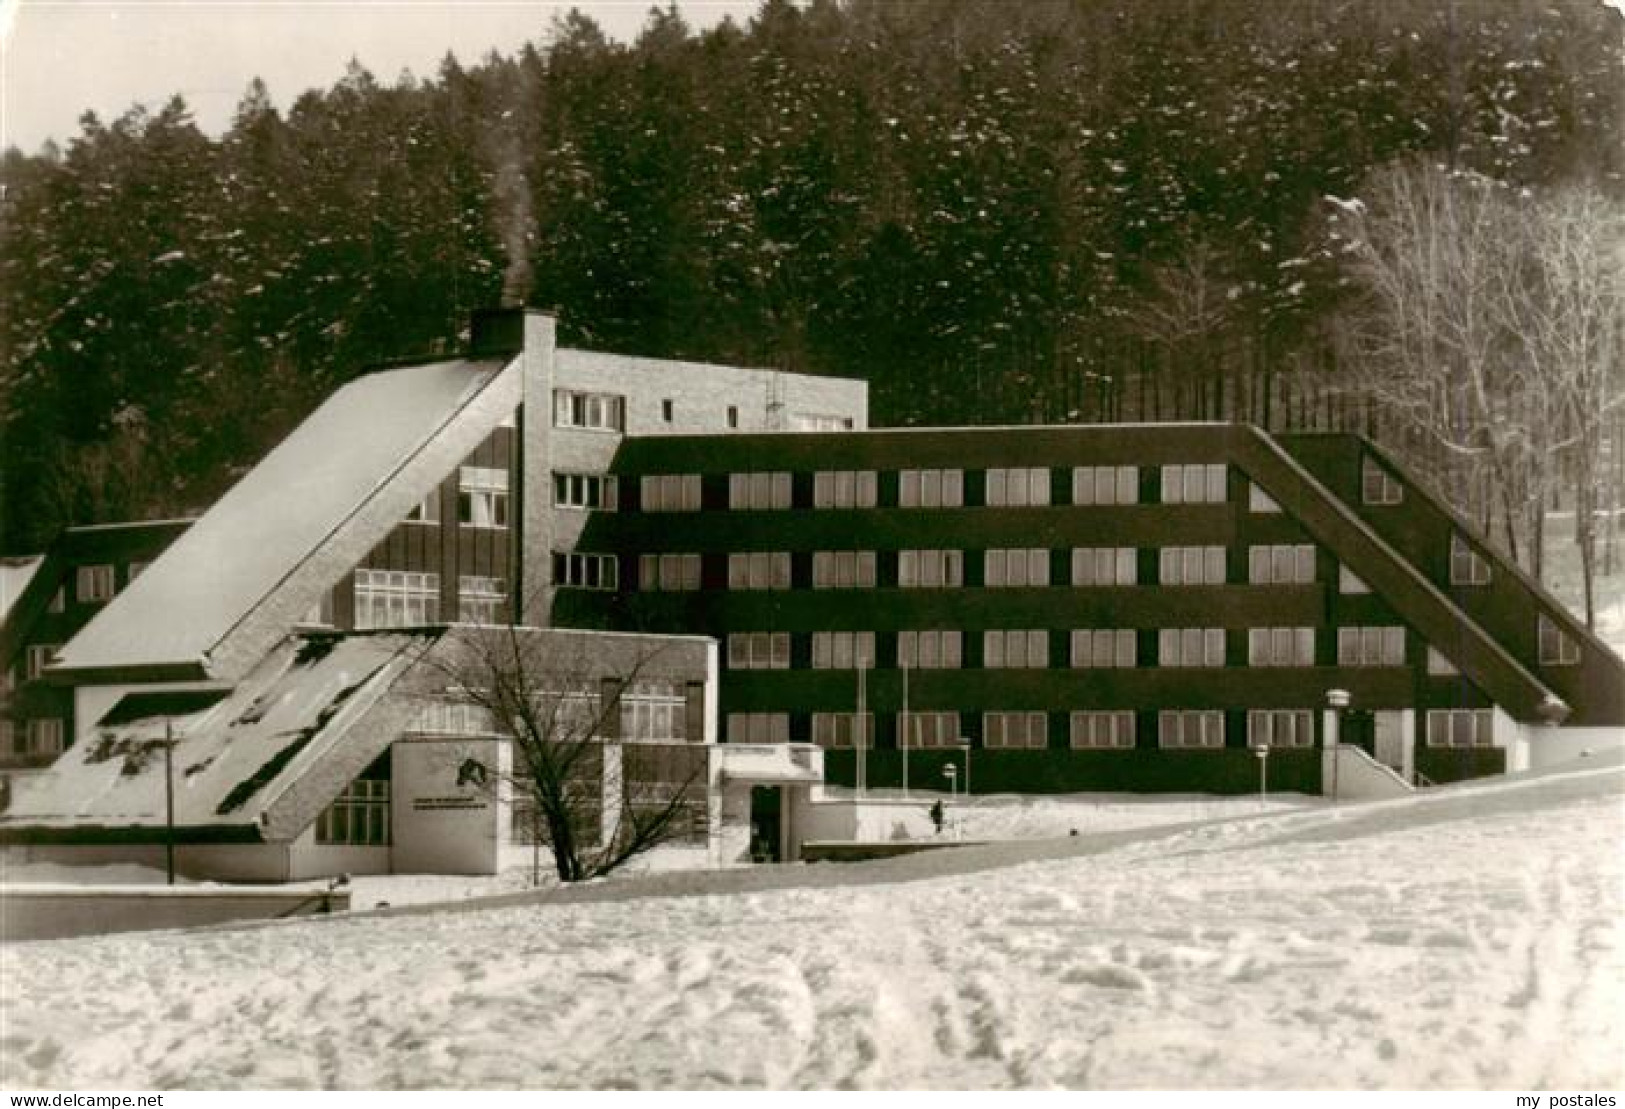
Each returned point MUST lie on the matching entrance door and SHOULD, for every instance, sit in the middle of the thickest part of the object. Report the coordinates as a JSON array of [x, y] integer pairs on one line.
[[1388, 737], [1359, 730], [766, 809]]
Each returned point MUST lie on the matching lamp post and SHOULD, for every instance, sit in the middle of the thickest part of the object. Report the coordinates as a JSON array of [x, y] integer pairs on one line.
[[1337, 700], [1263, 753], [169, 801], [951, 772], [964, 746]]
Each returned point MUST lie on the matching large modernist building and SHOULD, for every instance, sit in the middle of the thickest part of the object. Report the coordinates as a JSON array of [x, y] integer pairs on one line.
[[1137, 608]]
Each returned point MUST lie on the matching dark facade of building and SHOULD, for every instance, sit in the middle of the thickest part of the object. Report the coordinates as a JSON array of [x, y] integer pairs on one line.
[[1092, 607]]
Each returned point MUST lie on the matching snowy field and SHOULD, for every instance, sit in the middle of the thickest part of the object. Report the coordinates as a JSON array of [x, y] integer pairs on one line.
[[1469, 937]]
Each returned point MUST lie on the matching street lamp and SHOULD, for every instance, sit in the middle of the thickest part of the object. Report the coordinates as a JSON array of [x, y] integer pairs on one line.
[[964, 745], [951, 772], [1337, 700], [1263, 753]]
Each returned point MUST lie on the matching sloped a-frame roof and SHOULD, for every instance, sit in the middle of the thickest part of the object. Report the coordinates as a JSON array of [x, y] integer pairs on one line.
[[297, 521]]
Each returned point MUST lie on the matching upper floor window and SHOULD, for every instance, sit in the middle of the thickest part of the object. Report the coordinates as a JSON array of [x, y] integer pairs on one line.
[[928, 729], [1377, 485], [1281, 564], [1280, 646], [819, 421], [481, 600], [669, 572], [1557, 647], [37, 658], [930, 569], [482, 497], [669, 492], [600, 411], [94, 584], [1193, 483], [59, 600], [1191, 566], [1022, 485], [600, 491], [1103, 648], [759, 570], [1467, 566], [1191, 729], [929, 650], [1015, 649], [1280, 728], [396, 598], [654, 710], [1105, 484], [844, 489], [1104, 566], [44, 736], [1019, 566], [1111, 731], [759, 651], [843, 650], [1260, 501], [1015, 729], [758, 727], [668, 410], [1460, 728], [1182, 647], [843, 729], [843, 569], [1371, 646], [733, 416], [759, 491], [581, 570], [931, 488], [426, 511]]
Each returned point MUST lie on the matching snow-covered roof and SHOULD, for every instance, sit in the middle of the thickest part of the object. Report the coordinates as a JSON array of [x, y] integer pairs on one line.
[[284, 508], [288, 730]]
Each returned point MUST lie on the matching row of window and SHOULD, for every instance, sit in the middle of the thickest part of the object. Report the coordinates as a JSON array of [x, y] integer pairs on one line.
[[577, 408], [408, 598], [1199, 729], [39, 737], [650, 711], [1091, 648]]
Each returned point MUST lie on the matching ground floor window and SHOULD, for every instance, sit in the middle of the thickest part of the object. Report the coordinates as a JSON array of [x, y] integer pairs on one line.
[[1200, 729], [1280, 728], [358, 816], [1460, 728], [45, 736], [1102, 730], [396, 598]]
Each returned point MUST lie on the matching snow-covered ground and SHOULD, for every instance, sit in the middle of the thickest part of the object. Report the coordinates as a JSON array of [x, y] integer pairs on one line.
[[1469, 937]]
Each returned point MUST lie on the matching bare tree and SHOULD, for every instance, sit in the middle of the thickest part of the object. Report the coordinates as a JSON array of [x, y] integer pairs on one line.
[[594, 801]]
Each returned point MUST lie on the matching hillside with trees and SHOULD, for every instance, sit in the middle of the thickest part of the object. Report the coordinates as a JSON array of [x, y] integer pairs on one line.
[[1052, 211]]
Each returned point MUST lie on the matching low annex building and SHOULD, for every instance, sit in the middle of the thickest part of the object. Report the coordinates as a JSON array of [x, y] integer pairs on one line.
[[1082, 607]]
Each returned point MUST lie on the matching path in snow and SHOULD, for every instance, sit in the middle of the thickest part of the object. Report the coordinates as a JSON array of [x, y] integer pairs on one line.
[[1471, 938]]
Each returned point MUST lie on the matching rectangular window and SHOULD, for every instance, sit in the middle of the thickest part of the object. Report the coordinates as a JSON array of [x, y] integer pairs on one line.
[[1260, 501], [37, 658], [1439, 665], [358, 816], [931, 488], [454, 717], [1102, 731], [1280, 646], [1105, 485], [1467, 566], [1015, 649], [1460, 728], [1350, 583], [845, 489], [1104, 566], [843, 729], [927, 729], [1280, 728], [843, 650], [1103, 648], [1194, 483], [1377, 485], [930, 569], [733, 415], [44, 736], [668, 410], [1281, 564], [759, 491], [843, 569], [654, 711], [1557, 647], [95, 584], [1016, 567], [669, 492], [669, 573], [1191, 566], [481, 600], [591, 411], [758, 727], [819, 421], [426, 511], [930, 650], [396, 598], [759, 570], [1188, 647], [1202, 729], [577, 570], [1373, 646], [482, 497], [1015, 729], [759, 651], [596, 491], [1020, 485]]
